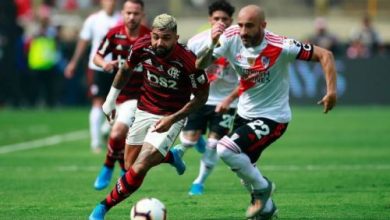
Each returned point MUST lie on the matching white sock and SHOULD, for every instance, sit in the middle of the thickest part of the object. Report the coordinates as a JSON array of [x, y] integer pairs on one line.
[[208, 161], [105, 128], [185, 145], [242, 166], [247, 185], [95, 121]]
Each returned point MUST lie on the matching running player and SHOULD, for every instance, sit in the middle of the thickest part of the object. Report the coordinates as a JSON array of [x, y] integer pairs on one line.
[[223, 80], [94, 29], [118, 42], [261, 59], [170, 77]]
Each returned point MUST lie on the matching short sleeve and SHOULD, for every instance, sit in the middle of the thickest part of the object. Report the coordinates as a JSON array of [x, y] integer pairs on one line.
[[105, 46], [198, 80], [198, 42], [298, 50], [86, 30], [134, 57], [193, 46]]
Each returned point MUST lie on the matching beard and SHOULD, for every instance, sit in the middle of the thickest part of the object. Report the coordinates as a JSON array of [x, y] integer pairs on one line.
[[161, 51], [133, 26]]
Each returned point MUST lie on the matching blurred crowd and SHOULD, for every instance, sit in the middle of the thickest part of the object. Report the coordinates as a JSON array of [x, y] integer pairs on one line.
[[33, 63], [364, 41]]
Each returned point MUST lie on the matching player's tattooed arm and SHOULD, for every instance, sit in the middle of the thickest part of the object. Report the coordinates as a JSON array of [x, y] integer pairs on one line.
[[200, 98]]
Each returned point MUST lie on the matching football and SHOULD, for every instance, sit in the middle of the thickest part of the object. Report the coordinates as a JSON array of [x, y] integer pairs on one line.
[[148, 209]]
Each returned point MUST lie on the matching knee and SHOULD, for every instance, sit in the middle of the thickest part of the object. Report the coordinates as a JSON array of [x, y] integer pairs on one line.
[[118, 134], [222, 151]]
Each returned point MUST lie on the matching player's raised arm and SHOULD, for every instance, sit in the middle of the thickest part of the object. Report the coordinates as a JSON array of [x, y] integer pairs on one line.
[[325, 57], [205, 56]]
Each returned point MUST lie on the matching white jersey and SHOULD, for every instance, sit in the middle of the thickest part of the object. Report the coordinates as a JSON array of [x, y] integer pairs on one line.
[[94, 29], [263, 71], [223, 79]]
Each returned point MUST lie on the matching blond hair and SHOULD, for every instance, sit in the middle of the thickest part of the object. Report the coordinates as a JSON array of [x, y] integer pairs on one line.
[[165, 22]]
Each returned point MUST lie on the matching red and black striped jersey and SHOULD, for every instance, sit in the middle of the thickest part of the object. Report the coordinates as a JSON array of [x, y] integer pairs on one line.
[[168, 82], [118, 43]]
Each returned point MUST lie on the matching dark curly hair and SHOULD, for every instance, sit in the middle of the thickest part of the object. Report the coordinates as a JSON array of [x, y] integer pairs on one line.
[[221, 5]]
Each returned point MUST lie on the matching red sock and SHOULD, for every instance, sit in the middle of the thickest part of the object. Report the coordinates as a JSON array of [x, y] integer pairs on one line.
[[115, 151], [168, 158], [125, 186]]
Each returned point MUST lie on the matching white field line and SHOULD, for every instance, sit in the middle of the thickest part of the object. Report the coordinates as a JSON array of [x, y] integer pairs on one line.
[[278, 168], [333, 167], [44, 142]]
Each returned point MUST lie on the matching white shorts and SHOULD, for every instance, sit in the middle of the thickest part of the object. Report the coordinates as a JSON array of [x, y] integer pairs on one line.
[[141, 132], [126, 111]]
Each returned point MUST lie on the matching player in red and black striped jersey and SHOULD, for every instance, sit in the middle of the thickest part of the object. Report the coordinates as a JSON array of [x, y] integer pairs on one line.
[[170, 77], [166, 80], [118, 42]]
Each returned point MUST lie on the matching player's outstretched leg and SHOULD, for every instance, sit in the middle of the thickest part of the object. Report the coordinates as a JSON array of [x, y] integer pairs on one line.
[[207, 164], [114, 152], [242, 166], [124, 187]]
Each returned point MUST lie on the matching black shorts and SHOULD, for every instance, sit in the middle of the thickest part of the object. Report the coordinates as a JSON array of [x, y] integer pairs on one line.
[[102, 82], [255, 135], [206, 118]]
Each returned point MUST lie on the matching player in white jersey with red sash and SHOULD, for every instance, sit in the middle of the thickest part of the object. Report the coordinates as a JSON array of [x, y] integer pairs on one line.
[[223, 80], [93, 31], [261, 59]]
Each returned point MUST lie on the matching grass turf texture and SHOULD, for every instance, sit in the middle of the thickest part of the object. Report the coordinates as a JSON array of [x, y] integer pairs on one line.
[[334, 166]]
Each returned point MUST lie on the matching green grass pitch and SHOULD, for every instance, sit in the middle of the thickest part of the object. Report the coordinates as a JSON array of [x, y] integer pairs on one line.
[[334, 166]]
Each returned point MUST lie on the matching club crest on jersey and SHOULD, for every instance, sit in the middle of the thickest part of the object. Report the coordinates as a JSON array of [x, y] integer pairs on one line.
[[174, 72], [251, 61], [264, 61]]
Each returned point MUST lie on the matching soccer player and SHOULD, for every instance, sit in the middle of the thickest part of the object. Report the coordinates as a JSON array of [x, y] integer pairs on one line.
[[223, 80], [261, 59], [94, 29], [170, 77], [118, 42]]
